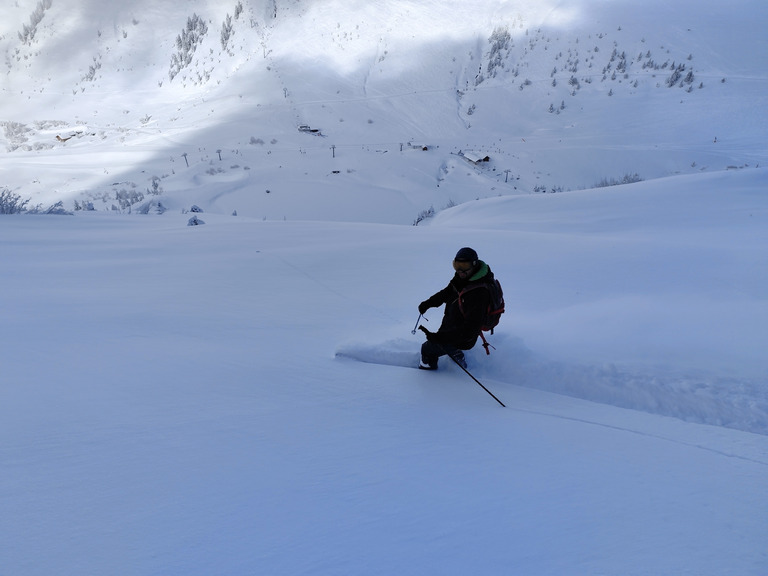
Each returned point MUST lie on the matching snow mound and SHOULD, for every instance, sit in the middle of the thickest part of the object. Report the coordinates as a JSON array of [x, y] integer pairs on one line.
[[397, 352]]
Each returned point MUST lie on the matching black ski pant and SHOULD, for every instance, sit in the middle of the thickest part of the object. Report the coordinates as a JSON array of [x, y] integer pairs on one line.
[[431, 351]]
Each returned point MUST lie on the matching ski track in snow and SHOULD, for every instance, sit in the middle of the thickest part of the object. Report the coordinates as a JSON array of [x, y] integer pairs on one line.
[[644, 434]]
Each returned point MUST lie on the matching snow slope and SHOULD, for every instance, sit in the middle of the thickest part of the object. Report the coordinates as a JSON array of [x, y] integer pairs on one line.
[[171, 399], [172, 404]]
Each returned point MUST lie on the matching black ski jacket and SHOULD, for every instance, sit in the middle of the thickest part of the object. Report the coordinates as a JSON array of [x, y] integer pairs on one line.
[[462, 329]]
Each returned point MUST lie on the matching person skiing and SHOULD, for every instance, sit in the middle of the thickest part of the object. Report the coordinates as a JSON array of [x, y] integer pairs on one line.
[[464, 312]]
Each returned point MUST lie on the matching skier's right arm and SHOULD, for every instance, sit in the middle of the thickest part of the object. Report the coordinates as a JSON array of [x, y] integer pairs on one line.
[[437, 299]]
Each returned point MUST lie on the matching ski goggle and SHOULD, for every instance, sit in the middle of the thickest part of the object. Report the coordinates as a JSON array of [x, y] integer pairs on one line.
[[462, 266]]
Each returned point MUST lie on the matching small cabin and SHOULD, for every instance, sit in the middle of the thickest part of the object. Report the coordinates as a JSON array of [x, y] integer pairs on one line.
[[475, 157]]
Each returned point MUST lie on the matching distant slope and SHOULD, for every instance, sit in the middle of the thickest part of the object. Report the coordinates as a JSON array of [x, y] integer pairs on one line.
[[557, 98]]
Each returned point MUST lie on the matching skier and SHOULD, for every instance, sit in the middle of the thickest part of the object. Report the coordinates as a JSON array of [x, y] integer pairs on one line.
[[465, 310]]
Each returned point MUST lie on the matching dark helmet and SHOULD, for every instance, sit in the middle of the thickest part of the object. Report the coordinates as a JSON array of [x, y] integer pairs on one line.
[[465, 263], [466, 255]]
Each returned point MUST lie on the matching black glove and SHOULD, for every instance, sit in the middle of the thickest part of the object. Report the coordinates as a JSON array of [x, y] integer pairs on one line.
[[431, 336], [423, 307]]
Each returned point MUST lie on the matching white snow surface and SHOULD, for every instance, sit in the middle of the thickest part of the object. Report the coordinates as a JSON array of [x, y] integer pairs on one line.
[[239, 397]]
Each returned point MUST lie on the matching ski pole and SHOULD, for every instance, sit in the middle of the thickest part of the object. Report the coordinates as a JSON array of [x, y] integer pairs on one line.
[[476, 380], [465, 370]]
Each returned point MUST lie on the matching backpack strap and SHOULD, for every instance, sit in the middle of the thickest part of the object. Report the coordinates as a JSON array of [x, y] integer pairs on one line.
[[467, 289]]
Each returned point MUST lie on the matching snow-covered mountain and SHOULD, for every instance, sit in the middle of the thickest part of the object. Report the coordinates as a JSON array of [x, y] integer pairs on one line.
[[117, 100], [179, 399]]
